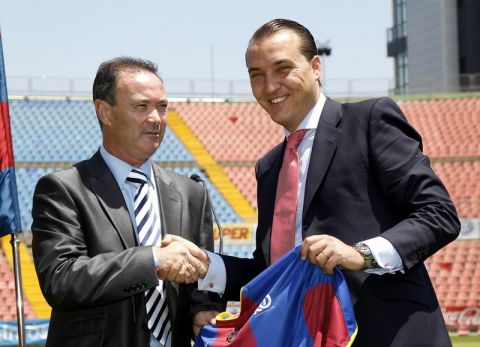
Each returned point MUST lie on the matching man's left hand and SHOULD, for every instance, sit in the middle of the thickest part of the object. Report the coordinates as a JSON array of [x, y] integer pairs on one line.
[[203, 318], [327, 252]]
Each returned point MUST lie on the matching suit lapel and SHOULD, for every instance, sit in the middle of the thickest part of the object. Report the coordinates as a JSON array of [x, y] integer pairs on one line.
[[324, 146], [170, 203], [111, 199], [171, 216], [267, 176]]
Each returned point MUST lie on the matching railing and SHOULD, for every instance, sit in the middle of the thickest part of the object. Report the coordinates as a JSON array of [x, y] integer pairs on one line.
[[470, 82], [189, 88], [229, 89], [396, 32], [461, 83]]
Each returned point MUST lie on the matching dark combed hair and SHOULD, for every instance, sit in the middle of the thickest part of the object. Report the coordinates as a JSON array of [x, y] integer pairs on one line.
[[107, 75], [308, 47]]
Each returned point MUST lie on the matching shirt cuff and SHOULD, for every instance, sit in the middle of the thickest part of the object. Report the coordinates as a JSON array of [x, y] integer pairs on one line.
[[385, 255], [155, 259], [216, 278]]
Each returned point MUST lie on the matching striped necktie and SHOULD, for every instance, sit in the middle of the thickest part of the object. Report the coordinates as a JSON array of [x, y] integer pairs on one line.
[[149, 233]]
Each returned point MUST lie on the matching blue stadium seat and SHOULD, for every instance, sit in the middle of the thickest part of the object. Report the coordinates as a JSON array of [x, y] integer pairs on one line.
[[241, 251], [27, 179], [224, 211], [68, 131], [26, 182]]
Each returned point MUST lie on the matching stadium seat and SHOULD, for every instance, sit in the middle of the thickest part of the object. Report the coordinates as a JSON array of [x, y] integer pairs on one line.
[[8, 308], [48, 134], [231, 131], [69, 132]]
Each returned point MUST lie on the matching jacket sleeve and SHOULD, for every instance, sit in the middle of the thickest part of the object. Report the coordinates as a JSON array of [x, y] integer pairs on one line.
[[203, 300], [429, 219], [72, 268], [240, 271]]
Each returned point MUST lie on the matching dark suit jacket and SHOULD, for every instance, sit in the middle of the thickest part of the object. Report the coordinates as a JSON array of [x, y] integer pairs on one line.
[[89, 266], [368, 177]]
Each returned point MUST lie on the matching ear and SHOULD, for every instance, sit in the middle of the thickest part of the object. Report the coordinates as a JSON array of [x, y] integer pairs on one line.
[[103, 110], [317, 66]]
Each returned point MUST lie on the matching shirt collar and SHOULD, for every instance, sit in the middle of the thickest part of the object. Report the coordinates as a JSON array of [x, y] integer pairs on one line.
[[313, 116], [121, 169]]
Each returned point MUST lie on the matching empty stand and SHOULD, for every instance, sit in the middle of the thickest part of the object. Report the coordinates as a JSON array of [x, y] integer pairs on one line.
[[235, 135], [27, 179], [244, 178], [224, 211], [243, 131], [68, 131], [449, 127], [8, 301], [231, 131], [455, 274], [462, 180], [242, 251], [212, 168]]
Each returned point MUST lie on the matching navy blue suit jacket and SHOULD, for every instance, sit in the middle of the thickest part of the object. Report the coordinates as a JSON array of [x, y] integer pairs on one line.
[[368, 177]]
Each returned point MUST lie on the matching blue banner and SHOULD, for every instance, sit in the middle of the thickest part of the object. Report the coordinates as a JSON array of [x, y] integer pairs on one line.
[[35, 332]]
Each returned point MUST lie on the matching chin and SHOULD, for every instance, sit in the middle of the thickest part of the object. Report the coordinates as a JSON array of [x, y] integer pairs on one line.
[[152, 151], [280, 119]]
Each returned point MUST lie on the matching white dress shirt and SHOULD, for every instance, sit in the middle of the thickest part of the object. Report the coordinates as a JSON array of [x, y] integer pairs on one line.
[[383, 251]]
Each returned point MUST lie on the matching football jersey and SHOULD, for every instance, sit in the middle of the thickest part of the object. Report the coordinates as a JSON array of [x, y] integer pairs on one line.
[[292, 303]]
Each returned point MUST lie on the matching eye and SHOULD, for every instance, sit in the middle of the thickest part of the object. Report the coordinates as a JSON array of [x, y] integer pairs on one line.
[[283, 68], [254, 74], [162, 107]]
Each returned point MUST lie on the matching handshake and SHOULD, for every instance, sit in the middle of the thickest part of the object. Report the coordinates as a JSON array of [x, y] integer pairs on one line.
[[180, 260]]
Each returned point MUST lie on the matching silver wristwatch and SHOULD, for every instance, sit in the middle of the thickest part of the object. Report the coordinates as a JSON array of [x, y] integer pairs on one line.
[[369, 261]]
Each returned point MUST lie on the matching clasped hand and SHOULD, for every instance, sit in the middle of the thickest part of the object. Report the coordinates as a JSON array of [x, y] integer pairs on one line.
[[180, 260]]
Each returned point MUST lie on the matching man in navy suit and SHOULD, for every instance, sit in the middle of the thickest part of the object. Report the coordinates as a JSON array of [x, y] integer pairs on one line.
[[368, 200]]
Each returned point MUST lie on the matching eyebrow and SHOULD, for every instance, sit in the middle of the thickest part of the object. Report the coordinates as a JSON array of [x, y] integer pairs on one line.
[[278, 62], [282, 61], [147, 101]]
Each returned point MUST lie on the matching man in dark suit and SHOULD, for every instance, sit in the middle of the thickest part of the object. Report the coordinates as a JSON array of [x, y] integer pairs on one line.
[[97, 273], [364, 196]]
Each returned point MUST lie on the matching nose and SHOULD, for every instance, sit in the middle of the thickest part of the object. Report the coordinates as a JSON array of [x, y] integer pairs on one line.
[[270, 84], [156, 116]]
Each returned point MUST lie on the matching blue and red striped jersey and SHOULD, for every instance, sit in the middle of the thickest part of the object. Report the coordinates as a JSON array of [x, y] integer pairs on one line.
[[292, 303], [9, 210]]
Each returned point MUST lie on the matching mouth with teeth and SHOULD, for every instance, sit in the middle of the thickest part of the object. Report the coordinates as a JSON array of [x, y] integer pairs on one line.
[[278, 100]]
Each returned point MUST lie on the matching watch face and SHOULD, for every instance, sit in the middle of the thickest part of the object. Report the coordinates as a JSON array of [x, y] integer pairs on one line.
[[369, 260]]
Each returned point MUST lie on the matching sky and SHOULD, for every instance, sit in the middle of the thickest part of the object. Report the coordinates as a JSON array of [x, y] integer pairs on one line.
[[199, 46]]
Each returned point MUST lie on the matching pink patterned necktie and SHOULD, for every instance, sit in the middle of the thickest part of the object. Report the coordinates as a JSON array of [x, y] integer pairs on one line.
[[283, 227]]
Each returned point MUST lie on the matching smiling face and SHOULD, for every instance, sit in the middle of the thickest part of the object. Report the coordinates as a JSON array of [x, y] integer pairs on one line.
[[134, 126], [283, 81]]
